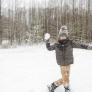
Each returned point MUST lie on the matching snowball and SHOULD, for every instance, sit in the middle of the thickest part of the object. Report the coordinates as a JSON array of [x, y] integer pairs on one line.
[[47, 36]]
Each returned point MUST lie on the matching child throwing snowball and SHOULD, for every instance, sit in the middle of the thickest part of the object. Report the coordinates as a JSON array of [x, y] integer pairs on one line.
[[64, 56]]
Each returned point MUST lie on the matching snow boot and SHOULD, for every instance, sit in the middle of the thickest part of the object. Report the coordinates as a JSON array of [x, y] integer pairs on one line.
[[67, 89], [52, 87]]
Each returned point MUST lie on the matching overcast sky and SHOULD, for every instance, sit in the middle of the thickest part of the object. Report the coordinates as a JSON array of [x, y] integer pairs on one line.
[[21, 3], [26, 3]]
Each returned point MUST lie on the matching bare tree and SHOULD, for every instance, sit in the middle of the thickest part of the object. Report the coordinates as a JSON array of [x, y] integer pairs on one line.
[[0, 25], [27, 26]]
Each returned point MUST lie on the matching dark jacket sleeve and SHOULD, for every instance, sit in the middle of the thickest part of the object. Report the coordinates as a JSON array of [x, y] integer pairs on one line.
[[50, 47], [79, 45]]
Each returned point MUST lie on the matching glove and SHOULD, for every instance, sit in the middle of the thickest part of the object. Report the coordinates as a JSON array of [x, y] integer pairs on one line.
[[46, 36]]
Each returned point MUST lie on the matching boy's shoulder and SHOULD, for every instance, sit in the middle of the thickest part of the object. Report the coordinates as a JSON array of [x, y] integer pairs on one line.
[[57, 43]]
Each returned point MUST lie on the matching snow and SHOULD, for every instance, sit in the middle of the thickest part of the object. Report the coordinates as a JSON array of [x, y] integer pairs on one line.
[[31, 69]]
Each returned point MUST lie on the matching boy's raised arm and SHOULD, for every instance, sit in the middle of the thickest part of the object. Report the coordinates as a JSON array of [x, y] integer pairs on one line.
[[49, 47]]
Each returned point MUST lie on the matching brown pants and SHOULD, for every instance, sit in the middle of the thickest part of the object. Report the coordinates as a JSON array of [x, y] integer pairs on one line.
[[65, 72]]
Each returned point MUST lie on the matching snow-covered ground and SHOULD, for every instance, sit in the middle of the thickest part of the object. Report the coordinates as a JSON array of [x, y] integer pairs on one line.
[[30, 69]]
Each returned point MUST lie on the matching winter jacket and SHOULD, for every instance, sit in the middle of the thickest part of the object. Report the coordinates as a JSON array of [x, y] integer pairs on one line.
[[64, 51]]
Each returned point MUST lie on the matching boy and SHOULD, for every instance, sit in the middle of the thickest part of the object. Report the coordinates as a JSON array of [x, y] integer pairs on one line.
[[64, 56]]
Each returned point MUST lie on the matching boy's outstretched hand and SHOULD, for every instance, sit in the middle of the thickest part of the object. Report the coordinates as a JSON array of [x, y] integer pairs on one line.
[[89, 47], [46, 36]]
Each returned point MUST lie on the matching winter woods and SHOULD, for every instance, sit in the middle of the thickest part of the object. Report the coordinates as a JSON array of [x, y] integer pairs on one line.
[[22, 23]]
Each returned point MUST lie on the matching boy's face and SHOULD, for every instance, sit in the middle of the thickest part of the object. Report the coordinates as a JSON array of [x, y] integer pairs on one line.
[[63, 36]]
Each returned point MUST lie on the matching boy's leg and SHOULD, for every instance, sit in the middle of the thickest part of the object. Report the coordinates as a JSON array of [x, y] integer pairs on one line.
[[65, 71], [54, 85], [59, 82]]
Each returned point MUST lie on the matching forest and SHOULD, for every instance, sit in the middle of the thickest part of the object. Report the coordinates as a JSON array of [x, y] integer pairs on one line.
[[27, 24]]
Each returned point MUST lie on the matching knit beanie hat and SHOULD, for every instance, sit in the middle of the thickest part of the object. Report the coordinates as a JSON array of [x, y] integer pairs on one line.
[[63, 32]]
